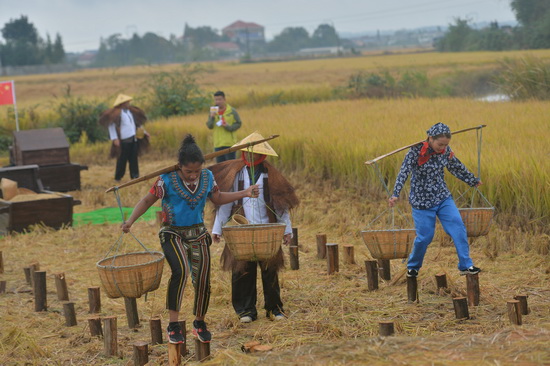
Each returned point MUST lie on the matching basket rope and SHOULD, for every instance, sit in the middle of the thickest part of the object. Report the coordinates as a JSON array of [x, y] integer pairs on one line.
[[391, 217], [120, 240], [256, 203]]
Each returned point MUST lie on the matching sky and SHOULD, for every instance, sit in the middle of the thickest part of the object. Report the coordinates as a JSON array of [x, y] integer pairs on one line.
[[82, 23]]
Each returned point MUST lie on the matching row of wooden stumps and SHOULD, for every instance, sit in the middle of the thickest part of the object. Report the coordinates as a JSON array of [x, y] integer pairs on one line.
[[328, 251], [105, 327]]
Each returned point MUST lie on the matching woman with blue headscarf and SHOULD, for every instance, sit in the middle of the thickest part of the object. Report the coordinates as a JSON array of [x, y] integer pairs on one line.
[[430, 197]]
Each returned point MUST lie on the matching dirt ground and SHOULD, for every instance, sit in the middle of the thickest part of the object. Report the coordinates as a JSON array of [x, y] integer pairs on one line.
[[332, 320]]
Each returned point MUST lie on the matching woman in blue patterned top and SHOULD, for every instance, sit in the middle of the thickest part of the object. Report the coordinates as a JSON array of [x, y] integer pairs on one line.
[[183, 236], [430, 197]]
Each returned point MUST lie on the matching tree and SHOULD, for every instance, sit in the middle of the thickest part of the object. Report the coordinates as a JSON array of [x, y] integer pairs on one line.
[[530, 12], [325, 36], [21, 46], [200, 36], [25, 47], [456, 38], [291, 39], [58, 53], [20, 30], [534, 16]]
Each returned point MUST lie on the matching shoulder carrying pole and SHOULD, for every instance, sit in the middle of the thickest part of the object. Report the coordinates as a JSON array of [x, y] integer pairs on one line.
[[172, 168], [370, 162]]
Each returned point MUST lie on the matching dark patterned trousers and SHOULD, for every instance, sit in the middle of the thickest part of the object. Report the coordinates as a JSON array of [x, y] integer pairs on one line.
[[187, 250]]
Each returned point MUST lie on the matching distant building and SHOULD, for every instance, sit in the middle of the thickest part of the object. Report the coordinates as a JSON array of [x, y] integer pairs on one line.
[[243, 32], [86, 58], [225, 49]]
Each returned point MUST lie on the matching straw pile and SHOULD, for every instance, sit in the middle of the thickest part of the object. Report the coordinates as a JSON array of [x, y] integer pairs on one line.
[[331, 319]]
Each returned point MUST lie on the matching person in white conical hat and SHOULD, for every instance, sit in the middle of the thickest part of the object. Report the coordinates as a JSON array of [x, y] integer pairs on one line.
[[277, 198], [129, 138]]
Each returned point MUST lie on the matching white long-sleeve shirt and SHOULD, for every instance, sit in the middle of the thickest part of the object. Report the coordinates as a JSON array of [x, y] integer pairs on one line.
[[255, 209], [127, 126]]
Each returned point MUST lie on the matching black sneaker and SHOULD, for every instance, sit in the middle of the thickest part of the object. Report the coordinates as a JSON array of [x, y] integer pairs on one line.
[[200, 331], [471, 270], [175, 334], [412, 273]]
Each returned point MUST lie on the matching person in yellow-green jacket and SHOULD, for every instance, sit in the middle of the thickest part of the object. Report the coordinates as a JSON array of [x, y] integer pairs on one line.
[[224, 120]]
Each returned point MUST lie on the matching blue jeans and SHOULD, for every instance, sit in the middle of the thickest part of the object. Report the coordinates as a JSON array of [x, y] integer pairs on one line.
[[221, 158], [424, 222]]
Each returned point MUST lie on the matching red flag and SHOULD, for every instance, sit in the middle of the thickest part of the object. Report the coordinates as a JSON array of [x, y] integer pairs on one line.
[[7, 95]]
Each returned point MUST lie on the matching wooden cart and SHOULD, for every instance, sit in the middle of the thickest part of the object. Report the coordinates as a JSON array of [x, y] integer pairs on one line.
[[18, 216]]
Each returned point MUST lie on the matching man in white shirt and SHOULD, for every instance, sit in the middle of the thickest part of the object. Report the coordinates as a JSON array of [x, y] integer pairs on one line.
[[272, 206], [124, 123]]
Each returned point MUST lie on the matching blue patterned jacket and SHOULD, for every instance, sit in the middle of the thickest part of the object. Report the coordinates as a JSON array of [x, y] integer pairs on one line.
[[428, 187]]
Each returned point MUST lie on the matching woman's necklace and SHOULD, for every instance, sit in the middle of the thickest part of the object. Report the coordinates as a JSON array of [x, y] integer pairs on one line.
[[188, 184]]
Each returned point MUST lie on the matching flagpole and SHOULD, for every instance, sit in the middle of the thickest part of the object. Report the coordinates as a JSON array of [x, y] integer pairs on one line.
[[15, 105]]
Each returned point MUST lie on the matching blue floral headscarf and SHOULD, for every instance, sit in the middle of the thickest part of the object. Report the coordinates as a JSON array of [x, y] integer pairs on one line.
[[438, 129]]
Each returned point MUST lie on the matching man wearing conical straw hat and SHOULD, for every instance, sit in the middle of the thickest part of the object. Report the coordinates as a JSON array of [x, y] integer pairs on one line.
[[272, 206], [129, 138]]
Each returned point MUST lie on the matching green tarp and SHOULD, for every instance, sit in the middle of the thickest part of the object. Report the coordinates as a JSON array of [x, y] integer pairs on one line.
[[110, 215]]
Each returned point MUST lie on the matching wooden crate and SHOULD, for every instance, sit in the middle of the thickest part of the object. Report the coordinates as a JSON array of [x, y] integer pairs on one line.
[[61, 178], [18, 216], [47, 146]]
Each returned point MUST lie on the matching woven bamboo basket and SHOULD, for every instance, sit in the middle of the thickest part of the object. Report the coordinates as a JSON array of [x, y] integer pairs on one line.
[[477, 220], [257, 242], [389, 244], [132, 274]]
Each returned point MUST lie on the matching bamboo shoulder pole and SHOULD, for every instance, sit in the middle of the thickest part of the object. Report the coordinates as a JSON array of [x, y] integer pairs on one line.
[[172, 168], [370, 162]]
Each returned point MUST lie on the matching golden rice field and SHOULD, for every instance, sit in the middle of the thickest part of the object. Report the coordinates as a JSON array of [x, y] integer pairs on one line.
[[244, 81], [332, 140], [332, 320]]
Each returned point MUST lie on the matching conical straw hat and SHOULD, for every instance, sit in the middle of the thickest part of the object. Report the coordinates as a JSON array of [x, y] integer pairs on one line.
[[122, 98], [264, 148]]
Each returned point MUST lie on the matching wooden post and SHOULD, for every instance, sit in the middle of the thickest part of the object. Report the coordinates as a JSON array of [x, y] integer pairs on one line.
[[514, 312], [94, 323], [384, 269], [522, 304], [40, 297], [202, 350], [321, 246], [110, 343], [1, 263], [94, 299], [441, 281], [131, 312], [141, 353], [386, 329], [174, 354], [183, 345], [294, 257], [33, 268], [472, 286], [156, 331], [295, 241], [372, 275], [349, 254], [461, 308], [27, 271], [70, 316], [412, 290], [332, 258], [2, 287], [61, 286]]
